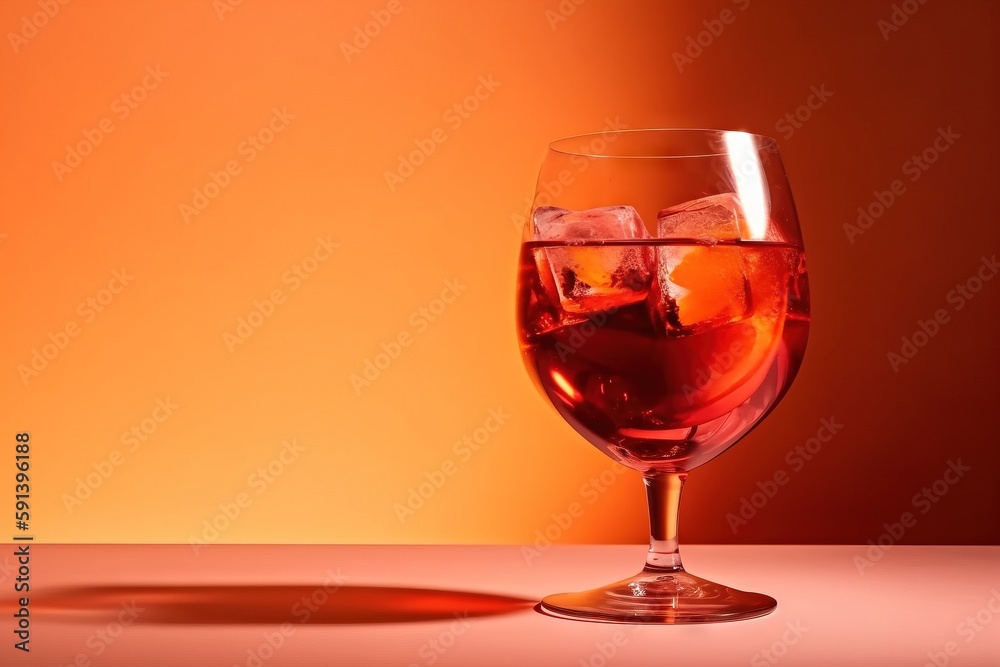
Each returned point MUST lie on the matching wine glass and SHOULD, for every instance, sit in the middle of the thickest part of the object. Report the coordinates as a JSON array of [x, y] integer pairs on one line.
[[663, 309]]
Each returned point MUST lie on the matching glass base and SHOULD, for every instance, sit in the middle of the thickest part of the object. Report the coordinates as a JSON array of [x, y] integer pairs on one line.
[[659, 596]]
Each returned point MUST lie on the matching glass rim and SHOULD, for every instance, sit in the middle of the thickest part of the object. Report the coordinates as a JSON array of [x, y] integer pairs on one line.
[[763, 142]]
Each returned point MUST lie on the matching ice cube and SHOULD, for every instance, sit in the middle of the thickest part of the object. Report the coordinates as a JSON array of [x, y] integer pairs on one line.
[[701, 286], [711, 219], [593, 224], [588, 279]]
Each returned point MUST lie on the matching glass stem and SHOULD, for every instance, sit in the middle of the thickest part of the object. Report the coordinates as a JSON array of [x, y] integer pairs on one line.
[[663, 495]]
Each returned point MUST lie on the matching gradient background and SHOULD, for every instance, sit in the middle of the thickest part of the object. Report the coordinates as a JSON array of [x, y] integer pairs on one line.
[[455, 218]]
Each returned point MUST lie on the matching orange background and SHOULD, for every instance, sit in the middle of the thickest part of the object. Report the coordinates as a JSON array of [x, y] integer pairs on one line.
[[454, 218]]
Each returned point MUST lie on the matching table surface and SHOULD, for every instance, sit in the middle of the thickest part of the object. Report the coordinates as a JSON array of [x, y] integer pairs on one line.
[[257, 605]]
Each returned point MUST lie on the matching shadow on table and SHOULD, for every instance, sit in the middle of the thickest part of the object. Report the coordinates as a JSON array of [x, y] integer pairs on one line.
[[324, 604]]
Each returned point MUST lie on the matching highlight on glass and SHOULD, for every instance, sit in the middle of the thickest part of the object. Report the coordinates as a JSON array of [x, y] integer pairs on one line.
[[663, 310]]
